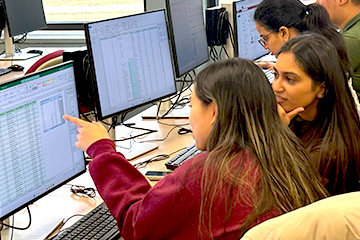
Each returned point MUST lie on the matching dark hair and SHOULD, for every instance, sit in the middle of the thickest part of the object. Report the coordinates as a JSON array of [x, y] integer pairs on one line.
[[337, 123], [247, 120], [273, 14], [356, 2]]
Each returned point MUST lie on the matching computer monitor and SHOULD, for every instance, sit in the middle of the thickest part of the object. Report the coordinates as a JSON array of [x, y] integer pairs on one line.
[[188, 34], [21, 16], [246, 36], [37, 152], [131, 61]]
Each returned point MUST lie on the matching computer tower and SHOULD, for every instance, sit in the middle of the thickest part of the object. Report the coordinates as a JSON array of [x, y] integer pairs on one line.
[[217, 26], [83, 79]]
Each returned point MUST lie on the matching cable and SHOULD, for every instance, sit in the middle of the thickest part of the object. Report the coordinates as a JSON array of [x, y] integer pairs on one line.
[[183, 102], [12, 230], [150, 160], [178, 100], [227, 54], [172, 107], [22, 39], [19, 228], [214, 54], [85, 116], [60, 231], [83, 191], [232, 36], [113, 123], [172, 125], [133, 127], [160, 139], [183, 131], [193, 71], [156, 158]]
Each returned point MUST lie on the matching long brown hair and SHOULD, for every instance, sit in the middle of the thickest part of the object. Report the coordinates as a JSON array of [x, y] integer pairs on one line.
[[247, 120], [337, 122]]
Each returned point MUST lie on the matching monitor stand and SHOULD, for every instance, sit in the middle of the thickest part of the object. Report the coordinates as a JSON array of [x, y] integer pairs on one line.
[[17, 56], [10, 54], [154, 112], [131, 148]]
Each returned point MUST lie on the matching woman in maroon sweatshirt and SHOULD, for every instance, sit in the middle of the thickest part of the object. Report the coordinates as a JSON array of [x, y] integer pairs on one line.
[[255, 168]]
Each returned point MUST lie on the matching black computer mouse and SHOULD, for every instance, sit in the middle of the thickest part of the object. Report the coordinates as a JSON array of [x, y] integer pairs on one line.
[[16, 67]]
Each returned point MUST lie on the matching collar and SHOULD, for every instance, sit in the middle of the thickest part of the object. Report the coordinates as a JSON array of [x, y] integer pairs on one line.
[[352, 22]]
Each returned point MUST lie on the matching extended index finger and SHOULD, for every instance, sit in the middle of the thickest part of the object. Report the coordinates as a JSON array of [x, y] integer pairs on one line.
[[74, 120]]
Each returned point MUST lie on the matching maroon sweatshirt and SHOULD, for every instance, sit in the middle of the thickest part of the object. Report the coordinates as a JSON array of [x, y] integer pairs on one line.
[[170, 209]]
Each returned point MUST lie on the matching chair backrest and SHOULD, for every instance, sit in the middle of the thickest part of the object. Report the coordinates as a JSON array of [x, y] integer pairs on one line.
[[332, 218], [50, 63], [46, 61]]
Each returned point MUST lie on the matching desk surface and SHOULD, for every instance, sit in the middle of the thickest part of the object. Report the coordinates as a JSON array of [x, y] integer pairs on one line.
[[61, 203], [26, 63]]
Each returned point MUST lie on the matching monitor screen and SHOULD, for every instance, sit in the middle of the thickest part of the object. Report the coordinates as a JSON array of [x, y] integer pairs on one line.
[[131, 60], [24, 16], [246, 35], [188, 34], [37, 152]]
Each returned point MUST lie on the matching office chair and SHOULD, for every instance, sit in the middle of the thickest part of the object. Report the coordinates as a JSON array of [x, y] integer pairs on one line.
[[332, 218], [46, 61]]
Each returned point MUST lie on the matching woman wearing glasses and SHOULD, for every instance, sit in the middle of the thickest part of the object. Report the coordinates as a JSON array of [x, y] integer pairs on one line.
[[277, 21]]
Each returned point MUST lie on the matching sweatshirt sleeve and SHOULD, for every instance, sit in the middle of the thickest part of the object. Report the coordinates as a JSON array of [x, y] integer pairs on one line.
[[138, 208]]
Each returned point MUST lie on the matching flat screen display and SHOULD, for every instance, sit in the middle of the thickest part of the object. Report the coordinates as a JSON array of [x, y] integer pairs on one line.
[[246, 35], [188, 34], [37, 152], [24, 16], [131, 60]]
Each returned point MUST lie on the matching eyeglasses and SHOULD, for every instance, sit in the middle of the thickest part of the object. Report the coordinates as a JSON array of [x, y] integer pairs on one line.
[[262, 40]]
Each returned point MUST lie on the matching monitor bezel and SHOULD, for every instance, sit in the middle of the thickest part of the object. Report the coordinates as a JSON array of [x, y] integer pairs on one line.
[[99, 113], [19, 79], [7, 22], [173, 44], [236, 42]]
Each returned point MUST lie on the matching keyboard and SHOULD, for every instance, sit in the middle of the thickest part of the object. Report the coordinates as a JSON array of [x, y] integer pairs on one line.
[[4, 71], [189, 152], [97, 224], [269, 74]]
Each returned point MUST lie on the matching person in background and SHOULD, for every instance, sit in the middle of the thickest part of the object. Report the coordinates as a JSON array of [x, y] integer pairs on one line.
[[254, 169], [276, 25], [346, 15], [277, 21], [315, 101]]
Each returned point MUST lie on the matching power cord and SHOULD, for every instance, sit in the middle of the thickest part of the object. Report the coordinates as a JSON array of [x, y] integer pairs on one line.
[[60, 231], [18, 228], [156, 158]]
